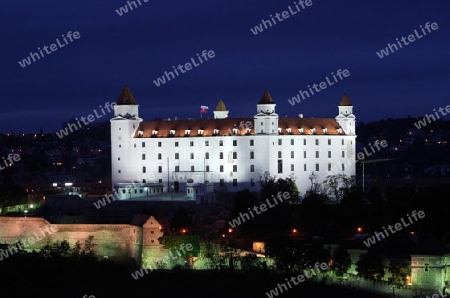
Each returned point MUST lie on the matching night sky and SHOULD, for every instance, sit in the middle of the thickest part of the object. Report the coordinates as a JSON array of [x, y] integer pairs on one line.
[[139, 46]]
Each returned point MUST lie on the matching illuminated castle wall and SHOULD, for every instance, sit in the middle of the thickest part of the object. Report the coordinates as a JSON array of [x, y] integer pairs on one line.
[[111, 240]]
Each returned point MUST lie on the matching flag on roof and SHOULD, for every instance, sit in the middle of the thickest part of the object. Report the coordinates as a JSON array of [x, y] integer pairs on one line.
[[204, 109]]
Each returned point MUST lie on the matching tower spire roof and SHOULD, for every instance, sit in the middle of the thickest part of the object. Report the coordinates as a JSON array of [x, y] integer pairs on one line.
[[345, 100], [126, 97], [266, 98], [221, 106]]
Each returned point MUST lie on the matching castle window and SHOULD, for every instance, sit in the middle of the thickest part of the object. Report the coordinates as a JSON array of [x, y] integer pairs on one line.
[[317, 167], [292, 141], [329, 141], [220, 155], [292, 154], [234, 142], [279, 154], [329, 167], [159, 144], [280, 166], [159, 156], [192, 143], [304, 142], [118, 158], [143, 156], [207, 169], [342, 141], [221, 168], [252, 142], [317, 154], [177, 168], [280, 142], [252, 182], [234, 182], [234, 168], [252, 168], [207, 155], [234, 155], [192, 168], [220, 143], [252, 154], [159, 169], [329, 154], [177, 155], [192, 155], [317, 142], [343, 167], [343, 153], [304, 154], [206, 143], [292, 167], [222, 182], [119, 171], [304, 167], [176, 144]]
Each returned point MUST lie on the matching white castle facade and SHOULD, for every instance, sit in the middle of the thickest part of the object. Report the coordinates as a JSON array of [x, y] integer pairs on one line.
[[231, 154]]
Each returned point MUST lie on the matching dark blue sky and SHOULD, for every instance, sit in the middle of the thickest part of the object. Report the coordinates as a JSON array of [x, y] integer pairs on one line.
[[139, 46]]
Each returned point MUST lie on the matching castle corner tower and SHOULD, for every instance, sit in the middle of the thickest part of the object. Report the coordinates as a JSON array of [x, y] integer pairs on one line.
[[266, 120], [123, 126]]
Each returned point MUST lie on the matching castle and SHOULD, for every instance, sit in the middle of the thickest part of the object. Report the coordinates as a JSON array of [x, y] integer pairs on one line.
[[228, 154]]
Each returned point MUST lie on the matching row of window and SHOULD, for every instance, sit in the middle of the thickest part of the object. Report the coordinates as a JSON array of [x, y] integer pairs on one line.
[[252, 168], [252, 155], [252, 143]]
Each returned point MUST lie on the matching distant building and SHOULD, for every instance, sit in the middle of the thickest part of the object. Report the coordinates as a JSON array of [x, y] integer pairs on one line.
[[230, 153]]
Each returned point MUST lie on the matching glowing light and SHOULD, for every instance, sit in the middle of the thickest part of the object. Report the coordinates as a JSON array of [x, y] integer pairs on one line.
[[359, 229]]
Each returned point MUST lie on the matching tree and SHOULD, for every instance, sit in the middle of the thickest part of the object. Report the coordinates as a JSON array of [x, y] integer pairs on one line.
[[175, 243], [272, 186], [341, 261], [315, 186], [399, 270], [370, 266], [251, 262], [336, 185]]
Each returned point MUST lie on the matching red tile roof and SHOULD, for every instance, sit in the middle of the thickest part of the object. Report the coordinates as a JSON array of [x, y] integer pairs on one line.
[[322, 126]]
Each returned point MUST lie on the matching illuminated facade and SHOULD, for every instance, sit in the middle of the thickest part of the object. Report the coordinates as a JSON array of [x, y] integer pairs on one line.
[[230, 153]]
